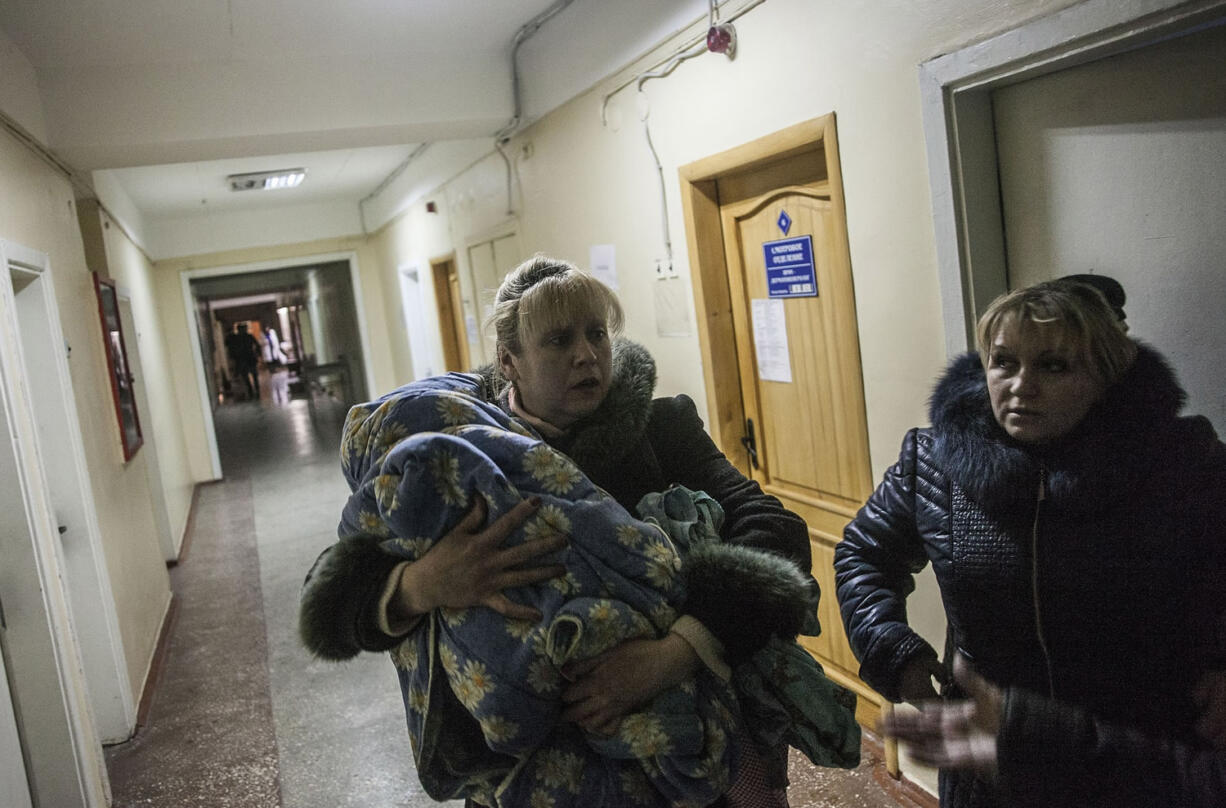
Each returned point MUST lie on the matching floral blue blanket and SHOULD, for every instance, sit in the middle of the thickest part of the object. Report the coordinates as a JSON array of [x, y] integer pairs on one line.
[[481, 691]]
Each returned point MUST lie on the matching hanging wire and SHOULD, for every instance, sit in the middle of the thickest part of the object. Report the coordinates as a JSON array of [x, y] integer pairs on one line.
[[668, 239], [680, 53], [695, 49]]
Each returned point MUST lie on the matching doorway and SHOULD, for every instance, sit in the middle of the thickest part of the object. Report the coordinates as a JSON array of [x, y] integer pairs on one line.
[[324, 324], [447, 298], [780, 344]]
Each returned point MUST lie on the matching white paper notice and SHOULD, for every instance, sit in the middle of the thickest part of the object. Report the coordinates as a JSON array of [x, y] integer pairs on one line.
[[770, 340], [602, 258], [672, 300]]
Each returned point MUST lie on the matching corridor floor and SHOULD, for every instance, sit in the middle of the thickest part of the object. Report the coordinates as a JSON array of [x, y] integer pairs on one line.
[[241, 716]]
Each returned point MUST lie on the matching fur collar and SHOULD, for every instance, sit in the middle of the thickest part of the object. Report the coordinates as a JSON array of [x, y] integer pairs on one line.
[[616, 426], [1110, 451]]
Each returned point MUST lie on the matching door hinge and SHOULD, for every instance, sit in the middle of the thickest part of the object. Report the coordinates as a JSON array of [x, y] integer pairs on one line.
[[750, 443]]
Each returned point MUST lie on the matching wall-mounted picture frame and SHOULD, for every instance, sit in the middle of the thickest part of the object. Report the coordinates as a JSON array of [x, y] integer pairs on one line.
[[120, 372]]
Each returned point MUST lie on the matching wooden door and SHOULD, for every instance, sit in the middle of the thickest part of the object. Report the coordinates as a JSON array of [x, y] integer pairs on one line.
[[450, 315], [810, 431]]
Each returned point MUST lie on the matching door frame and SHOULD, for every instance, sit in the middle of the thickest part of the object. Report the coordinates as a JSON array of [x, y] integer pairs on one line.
[[714, 297], [185, 280], [63, 752], [960, 132], [64, 462], [709, 270]]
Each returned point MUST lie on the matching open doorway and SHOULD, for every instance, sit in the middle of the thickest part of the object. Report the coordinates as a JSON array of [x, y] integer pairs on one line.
[[288, 336]]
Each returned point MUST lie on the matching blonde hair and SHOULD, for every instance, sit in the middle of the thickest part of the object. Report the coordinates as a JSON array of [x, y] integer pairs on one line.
[[542, 293], [1079, 309]]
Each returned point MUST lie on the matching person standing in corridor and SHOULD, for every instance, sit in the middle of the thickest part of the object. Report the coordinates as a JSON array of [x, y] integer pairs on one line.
[[244, 352]]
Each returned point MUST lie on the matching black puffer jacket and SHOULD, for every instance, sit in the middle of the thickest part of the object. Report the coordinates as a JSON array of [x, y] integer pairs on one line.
[[1088, 572], [757, 583]]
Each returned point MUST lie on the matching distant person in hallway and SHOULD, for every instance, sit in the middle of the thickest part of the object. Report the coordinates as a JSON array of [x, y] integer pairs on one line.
[[244, 353], [1076, 524], [563, 377], [271, 349]]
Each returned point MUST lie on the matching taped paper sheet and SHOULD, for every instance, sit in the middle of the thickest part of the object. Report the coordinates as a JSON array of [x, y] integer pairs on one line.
[[770, 340]]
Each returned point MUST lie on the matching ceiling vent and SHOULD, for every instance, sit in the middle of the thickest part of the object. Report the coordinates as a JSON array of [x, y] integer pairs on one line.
[[267, 180]]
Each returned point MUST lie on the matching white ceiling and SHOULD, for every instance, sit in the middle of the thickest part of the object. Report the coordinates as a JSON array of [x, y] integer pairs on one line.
[[176, 95]]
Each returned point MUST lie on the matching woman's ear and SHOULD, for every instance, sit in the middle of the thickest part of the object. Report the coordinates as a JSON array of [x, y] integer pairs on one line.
[[506, 363]]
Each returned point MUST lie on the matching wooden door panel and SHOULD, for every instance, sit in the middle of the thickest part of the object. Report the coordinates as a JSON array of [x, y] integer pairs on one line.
[[811, 432]]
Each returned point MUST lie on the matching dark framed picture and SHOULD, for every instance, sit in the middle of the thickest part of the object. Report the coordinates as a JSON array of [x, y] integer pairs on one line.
[[120, 371]]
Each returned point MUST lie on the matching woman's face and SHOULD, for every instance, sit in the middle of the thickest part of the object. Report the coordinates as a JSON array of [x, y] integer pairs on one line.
[[1039, 381], [562, 373]]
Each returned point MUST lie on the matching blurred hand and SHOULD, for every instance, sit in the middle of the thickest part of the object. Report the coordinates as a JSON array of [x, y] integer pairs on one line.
[[470, 567], [954, 734], [610, 685], [1210, 697], [916, 681]]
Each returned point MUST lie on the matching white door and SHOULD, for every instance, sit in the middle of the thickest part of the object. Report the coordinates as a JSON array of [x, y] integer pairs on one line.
[[14, 787], [87, 578], [49, 693], [414, 309], [1119, 167]]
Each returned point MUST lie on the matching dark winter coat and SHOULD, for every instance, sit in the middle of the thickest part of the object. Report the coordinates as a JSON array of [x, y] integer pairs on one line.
[[630, 446], [1086, 577]]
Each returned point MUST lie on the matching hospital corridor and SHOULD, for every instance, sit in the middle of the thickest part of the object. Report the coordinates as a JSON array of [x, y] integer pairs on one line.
[[739, 242]]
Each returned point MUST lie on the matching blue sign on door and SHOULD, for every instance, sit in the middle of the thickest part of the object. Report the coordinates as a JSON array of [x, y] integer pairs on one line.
[[789, 267]]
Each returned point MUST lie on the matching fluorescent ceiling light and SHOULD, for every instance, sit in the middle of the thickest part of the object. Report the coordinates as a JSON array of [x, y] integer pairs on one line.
[[267, 180]]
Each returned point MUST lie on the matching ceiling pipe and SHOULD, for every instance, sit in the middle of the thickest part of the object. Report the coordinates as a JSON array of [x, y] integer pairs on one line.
[[504, 135], [526, 32]]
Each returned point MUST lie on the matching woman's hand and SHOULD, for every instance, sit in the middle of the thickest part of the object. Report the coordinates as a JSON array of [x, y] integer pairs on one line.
[[915, 685], [954, 734], [1210, 697], [470, 567], [610, 685]]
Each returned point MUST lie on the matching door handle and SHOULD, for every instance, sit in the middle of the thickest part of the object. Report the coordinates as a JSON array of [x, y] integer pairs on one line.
[[750, 443]]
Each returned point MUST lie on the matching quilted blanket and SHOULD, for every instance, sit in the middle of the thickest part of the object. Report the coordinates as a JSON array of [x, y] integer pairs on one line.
[[483, 692]]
